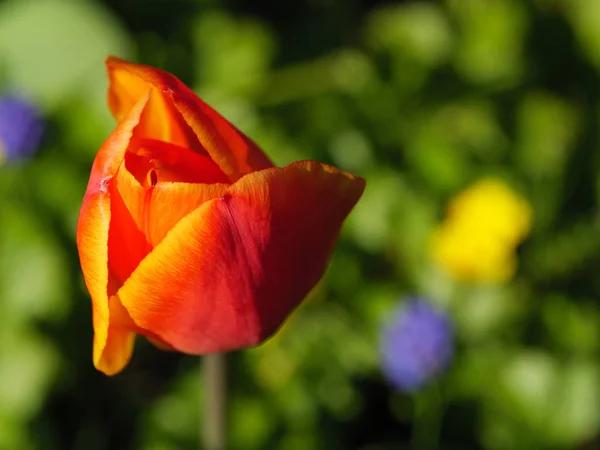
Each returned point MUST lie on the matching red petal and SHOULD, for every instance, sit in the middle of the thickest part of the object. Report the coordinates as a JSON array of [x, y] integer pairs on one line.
[[233, 152], [127, 244], [170, 162], [111, 351], [160, 119], [228, 274], [155, 210]]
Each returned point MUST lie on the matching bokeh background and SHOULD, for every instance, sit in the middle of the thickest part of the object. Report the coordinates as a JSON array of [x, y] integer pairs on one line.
[[460, 310]]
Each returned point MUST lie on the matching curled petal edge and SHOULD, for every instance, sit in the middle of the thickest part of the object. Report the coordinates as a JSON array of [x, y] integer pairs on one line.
[[92, 243]]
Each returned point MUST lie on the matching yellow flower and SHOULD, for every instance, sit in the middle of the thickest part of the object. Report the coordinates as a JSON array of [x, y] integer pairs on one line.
[[484, 225]]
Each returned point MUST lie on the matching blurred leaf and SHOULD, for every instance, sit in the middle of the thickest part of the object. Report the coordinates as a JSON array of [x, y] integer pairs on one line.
[[53, 48], [34, 280], [252, 421], [484, 311], [417, 30], [274, 141], [338, 395], [415, 37], [83, 126], [547, 128], [68, 187], [28, 365], [372, 222], [375, 303], [564, 252], [577, 413], [14, 433], [234, 55], [412, 225], [574, 326], [351, 150], [442, 165], [444, 141], [175, 416], [345, 70], [559, 403], [477, 368], [584, 16], [492, 34]]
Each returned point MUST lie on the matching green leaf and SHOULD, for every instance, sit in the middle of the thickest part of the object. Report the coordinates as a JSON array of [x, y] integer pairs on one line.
[[492, 35], [51, 48]]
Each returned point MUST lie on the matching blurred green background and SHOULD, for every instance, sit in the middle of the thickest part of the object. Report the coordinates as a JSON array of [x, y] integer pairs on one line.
[[422, 99]]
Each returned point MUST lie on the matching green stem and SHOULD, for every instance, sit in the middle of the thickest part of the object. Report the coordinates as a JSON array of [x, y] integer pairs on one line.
[[427, 421], [214, 433]]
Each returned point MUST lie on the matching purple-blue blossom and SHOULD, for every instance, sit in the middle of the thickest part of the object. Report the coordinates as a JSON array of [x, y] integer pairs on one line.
[[416, 345], [21, 127]]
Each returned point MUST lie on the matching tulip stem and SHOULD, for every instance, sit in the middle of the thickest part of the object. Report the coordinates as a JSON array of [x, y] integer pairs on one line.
[[215, 402], [427, 422]]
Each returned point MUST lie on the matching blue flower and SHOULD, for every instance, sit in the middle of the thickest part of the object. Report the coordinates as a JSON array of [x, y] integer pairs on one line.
[[21, 127], [416, 345]]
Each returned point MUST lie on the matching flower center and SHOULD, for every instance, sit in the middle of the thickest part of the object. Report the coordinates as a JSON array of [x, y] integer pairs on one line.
[[152, 161], [162, 182]]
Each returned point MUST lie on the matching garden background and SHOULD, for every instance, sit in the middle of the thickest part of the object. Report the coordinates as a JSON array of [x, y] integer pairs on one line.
[[423, 99]]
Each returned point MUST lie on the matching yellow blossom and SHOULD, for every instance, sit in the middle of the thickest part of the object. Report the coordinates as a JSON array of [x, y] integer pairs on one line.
[[484, 225]]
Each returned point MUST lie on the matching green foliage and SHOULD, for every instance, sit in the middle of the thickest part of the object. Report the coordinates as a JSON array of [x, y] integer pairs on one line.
[[421, 98], [54, 48]]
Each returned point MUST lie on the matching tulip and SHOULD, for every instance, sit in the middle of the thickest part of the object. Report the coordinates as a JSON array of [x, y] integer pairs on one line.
[[188, 235]]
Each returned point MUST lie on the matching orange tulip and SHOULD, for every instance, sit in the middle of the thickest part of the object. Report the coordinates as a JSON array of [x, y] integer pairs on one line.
[[188, 234]]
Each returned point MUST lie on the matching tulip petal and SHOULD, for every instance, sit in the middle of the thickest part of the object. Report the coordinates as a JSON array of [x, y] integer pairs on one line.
[[233, 152], [228, 273], [157, 209], [113, 353], [162, 121], [127, 244], [112, 345], [170, 162]]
